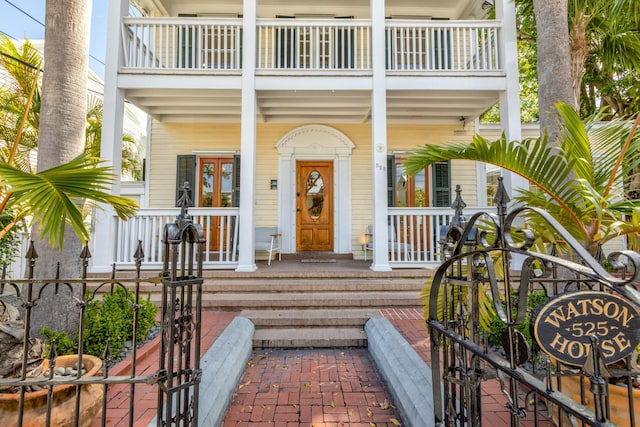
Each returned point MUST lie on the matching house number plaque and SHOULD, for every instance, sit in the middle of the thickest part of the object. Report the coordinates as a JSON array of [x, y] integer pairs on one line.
[[563, 326]]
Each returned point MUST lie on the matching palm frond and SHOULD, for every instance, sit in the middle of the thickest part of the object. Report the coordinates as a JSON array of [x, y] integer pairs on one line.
[[54, 196]]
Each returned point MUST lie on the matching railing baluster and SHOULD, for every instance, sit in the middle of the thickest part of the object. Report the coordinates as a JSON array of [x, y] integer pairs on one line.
[[206, 44]]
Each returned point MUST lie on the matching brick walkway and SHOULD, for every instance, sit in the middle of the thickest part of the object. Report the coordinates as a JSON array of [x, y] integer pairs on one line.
[[312, 388], [319, 388]]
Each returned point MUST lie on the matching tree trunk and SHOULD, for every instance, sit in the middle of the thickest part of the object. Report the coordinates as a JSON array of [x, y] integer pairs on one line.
[[62, 138], [555, 81]]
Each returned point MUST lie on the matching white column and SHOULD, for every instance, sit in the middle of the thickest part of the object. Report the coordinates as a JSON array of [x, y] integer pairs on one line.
[[510, 99], [379, 138], [104, 236], [246, 258]]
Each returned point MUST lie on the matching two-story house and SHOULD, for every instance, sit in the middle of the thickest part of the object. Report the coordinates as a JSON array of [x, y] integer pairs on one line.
[[297, 115]]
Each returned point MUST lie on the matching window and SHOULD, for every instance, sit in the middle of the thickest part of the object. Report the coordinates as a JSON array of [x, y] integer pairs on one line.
[[415, 191], [214, 182]]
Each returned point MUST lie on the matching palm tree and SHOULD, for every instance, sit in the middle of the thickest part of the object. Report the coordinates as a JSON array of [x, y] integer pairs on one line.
[[61, 139], [599, 42], [592, 206], [21, 66], [131, 164], [554, 61], [20, 88]]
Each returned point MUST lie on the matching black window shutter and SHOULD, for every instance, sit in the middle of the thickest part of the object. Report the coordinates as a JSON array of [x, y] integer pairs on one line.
[[185, 171], [188, 43], [236, 181], [391, 180], [441, 184]]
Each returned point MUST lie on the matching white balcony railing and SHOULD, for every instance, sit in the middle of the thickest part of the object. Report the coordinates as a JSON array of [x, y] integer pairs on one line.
[[440, 46], [213, 45], [314, 45], [183, 43], [220, 228]]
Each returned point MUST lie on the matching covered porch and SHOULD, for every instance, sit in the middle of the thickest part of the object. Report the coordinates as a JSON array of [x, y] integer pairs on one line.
[[413, 245]]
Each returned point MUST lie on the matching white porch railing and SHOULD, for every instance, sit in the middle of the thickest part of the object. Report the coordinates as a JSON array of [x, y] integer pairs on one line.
[[314, 44], [413, 239], [219, 225], [442, 45], [182, 43], [214, 45], [414, 235]]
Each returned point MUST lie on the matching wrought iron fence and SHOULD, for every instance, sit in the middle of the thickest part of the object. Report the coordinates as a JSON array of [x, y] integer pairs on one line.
[[74, 390], [583, 334]]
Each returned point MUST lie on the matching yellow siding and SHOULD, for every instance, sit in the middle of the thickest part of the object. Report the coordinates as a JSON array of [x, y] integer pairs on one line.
[[172, 139]]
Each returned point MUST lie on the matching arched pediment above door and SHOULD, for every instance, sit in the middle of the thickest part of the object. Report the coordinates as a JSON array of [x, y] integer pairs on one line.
[[315, 138]]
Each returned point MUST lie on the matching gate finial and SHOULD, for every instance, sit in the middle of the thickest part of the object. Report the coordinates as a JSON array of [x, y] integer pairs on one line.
[[501, 199], [458, 205]]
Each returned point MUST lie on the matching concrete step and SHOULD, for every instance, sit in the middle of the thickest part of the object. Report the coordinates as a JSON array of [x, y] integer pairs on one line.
[[300, 285], [309, 337], [307, 307], [311, 300], [263, 319], [235, 302]]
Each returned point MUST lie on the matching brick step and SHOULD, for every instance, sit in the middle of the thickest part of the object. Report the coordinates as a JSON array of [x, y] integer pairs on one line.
[[309, 337], [268, 318]]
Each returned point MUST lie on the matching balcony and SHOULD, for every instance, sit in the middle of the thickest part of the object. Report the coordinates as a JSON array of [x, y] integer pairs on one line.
[[206, 45], [311, 70]]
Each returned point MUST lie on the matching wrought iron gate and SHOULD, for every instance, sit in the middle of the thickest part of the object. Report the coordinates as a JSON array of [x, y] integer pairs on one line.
[[178, 372], [490, 271], [179, 369]]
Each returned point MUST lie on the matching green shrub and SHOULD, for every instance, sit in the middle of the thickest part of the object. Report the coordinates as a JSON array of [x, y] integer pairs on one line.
[[497, 327], [64, 345], [109, 318]]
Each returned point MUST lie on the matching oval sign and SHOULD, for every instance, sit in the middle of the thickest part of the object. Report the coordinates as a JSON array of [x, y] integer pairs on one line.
[[564, 325]]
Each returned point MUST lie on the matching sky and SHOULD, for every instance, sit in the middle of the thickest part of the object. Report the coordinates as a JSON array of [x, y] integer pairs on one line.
[[21, 19]]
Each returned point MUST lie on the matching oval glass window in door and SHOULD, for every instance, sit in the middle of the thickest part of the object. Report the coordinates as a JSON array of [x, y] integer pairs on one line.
[[315, 194]]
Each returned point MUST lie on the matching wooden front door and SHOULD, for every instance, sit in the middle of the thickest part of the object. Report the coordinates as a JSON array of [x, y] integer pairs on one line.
[[314, 206]]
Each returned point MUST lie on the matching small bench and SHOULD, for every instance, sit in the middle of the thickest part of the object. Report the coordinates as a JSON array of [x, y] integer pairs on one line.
[[268, 239]]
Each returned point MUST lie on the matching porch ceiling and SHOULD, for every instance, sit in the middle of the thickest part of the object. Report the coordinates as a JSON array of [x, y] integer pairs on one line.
[[451, 9], [316, 106]]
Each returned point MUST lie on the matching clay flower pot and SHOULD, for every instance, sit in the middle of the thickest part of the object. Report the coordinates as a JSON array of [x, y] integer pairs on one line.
[[618, 401], [63, 399]]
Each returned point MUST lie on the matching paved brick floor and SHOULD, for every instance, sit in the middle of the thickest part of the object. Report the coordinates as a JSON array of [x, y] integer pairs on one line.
[[319, 388]]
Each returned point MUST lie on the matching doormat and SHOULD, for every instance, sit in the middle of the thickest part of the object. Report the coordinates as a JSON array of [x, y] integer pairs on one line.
[[317, 260]]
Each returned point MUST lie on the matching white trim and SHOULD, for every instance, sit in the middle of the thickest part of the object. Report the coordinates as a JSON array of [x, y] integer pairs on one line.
[[315, 142], [214, 153]]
